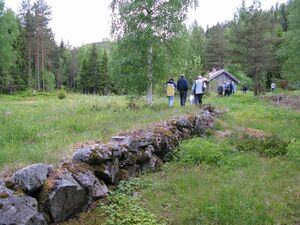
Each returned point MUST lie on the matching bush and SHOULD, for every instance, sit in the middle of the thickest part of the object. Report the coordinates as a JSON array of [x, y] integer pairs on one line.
[[61, 94], [271, 146], [196, 151]]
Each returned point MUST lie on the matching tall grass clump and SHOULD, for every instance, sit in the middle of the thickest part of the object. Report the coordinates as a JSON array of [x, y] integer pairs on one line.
[[269, 146], [198, 150]]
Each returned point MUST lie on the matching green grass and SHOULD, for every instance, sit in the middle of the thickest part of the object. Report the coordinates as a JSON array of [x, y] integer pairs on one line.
[[221, 182], [242, 187], [248, 190], [213, 182], [42, 128], [248, 111]]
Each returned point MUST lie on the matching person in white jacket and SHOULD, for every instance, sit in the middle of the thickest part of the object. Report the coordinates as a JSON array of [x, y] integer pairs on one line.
[[198, 90]]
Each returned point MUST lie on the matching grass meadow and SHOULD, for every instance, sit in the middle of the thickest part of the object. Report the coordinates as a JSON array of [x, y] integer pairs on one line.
[[43, 128], [212, 181]]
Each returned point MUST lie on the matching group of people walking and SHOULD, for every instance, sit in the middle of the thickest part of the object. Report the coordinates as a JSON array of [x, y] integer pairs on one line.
[[226, 89], [182, 86]]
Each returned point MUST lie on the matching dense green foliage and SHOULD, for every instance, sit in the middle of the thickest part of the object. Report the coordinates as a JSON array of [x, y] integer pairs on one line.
[[144, 24], [291, 44], [270, 146], [252, 44], [197, 151]]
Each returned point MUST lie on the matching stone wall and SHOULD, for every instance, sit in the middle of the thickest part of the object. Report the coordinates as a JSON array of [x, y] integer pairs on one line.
[[43, 194]]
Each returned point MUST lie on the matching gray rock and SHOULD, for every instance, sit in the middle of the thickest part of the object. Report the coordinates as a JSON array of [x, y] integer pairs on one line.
[[65, 198], [96, 189], [117, 138], [107, 171], [149, 151], [153, 164], [132, 170], [146, 139], [31, 177], [183, 122], [130, 143], [92, 154], [145, 155], [18, 208], [118, 151], [131, 159], [199, 128]]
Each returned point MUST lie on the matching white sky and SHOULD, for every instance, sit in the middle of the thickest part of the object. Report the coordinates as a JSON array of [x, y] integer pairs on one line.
[[81, 22]]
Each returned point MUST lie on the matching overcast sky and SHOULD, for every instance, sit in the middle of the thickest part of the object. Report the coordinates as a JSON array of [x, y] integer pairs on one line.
[[81, 22]]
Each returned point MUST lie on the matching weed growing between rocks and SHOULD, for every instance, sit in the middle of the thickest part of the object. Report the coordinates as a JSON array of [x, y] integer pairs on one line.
[[124, 209]]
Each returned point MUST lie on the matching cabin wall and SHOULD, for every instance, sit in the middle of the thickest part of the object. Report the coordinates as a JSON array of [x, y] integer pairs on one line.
[[221, 79]]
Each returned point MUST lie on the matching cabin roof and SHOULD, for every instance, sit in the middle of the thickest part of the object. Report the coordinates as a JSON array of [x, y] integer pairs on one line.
[[214, 75]]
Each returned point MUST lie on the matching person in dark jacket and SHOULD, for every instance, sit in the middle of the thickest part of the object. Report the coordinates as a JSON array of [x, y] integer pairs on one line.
[[227, 89], [182, 87], [220, 90]]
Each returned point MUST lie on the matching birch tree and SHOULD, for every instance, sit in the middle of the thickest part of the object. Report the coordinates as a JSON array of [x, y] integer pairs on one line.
[[150, 22]]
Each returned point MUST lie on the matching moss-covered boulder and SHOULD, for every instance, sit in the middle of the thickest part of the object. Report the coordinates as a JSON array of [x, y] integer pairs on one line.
[[17, 208]]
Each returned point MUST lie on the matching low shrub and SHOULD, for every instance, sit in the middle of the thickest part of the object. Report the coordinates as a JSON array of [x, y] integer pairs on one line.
[[197, 151], [61, 94], [270, 146], [124, 209]]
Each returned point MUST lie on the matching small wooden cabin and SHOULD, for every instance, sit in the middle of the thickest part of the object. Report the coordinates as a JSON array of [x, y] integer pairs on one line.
[[215, 78]]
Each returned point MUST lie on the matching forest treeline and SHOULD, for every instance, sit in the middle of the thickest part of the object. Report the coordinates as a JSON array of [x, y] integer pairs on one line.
[[151, 43]]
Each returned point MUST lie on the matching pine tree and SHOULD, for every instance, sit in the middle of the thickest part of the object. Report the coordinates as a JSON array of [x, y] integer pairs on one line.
[[73, 70], [26, 17], [215, 53], [251, 44], [83, 77], [104, 79], [93, 78], [291, 45], [39, 40]]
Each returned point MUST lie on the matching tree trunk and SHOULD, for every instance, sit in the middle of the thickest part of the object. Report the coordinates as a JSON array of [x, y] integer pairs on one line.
[[258, 90], [30, 82], [37, 65], [149, 98]]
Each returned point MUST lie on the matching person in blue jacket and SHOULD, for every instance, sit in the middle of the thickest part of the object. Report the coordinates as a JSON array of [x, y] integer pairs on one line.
[[182, 87]]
